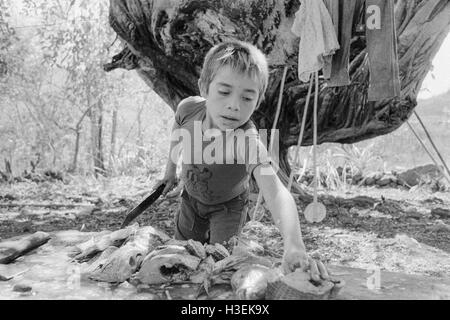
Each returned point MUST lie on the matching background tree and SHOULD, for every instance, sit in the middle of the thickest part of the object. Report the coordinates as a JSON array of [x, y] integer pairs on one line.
[[165, 42], [54, 52], [77, 48]]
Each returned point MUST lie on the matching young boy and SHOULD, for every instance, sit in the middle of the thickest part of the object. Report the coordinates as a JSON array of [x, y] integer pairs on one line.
[[215, 174]]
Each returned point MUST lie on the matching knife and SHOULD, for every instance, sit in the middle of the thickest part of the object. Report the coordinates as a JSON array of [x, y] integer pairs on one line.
[[141, 207]]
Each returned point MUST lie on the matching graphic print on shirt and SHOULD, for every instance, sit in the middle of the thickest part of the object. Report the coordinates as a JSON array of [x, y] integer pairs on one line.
[[197, 179]]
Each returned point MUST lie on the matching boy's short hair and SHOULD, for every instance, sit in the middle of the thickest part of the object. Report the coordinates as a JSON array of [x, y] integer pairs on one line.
[[240, 56]]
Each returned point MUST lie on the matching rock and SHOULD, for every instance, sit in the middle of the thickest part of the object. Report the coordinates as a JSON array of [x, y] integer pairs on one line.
[[5, 278], [384, 181], [439, 227], [413, 213], [378, 175], [370, 181], [441, 213], [402, 182], [26, 212], [357, 178], [22, 288], [410, 178], [414, 176], [86, 211]]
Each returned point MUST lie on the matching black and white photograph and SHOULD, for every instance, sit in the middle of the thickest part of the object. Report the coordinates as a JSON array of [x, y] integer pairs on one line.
[[224, 154]]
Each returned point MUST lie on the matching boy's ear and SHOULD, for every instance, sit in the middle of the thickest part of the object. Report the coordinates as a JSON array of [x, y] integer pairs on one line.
[[202, 89]]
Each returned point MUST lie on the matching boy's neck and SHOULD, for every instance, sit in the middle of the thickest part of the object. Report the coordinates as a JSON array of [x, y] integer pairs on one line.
[[207, 123]]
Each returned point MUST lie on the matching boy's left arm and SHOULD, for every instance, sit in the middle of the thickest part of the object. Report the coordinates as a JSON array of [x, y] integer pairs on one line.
[[285, 215]]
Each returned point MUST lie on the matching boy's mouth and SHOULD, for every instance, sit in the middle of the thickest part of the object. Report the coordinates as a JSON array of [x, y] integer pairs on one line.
[[229, 118]]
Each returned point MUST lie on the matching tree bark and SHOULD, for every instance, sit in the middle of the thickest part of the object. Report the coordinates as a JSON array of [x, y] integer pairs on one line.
[[166, 41], [112, 154], [95, 115], [77, 149], [100, 154], [140, 135]]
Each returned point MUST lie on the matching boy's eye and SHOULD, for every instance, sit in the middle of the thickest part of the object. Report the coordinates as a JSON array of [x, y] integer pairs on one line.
[[224, 93], [247, 99]]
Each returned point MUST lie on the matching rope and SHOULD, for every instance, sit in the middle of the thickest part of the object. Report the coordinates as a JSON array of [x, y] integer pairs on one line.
[[316, 97], [274, 126], [428, 151], [302, 130], [432, 142]]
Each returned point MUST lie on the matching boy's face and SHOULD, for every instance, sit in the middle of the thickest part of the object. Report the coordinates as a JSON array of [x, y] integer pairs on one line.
[[231, 99]]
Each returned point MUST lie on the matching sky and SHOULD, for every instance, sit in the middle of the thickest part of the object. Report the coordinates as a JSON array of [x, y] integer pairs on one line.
[[441, 71]]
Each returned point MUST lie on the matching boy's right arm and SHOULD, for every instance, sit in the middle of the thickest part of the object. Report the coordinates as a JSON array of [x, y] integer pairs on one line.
[[170, 174]]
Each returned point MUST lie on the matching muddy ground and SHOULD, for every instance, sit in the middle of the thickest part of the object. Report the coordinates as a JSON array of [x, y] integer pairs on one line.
[[393, 229]]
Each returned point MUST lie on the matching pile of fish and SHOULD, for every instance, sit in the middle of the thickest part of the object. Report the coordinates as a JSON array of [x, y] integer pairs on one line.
[[148, 256]]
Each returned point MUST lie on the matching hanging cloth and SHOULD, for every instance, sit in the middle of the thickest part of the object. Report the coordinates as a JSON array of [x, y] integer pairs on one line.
[[381, 38], [318, 40], [341, 12]]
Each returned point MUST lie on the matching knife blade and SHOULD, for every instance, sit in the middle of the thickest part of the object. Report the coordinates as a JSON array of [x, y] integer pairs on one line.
[[141, 207]]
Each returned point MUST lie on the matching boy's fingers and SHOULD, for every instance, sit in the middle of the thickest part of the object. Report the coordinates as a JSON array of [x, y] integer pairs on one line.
[[288, 267], [323, 270], [166, 189], [285, 267], [313, 270], [158, 184]]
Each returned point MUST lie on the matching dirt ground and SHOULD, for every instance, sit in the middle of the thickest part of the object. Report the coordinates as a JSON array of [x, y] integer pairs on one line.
[[391, 229]]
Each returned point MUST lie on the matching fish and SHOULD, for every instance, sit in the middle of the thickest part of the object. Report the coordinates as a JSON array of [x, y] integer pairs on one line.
[[89, 249], [250, 282], [163, 268], [299, 285], [96, 263], [119, 266], [122, 263], [10, 250]]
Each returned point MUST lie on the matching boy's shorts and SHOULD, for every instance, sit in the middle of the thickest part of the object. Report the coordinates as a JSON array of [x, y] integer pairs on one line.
[[210, 223]]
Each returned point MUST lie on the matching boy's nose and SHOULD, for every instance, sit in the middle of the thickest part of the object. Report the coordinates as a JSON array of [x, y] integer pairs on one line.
[[234, 104]]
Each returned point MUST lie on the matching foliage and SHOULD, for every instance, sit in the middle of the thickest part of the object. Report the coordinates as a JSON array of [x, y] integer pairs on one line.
[[7, 36], [357, 159], [55, 83]]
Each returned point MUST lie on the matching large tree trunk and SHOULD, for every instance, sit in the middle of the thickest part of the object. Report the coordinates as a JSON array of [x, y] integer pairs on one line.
[[165, 42]]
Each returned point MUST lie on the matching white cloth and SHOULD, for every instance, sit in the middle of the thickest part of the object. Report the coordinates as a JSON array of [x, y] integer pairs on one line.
[[318, 39]]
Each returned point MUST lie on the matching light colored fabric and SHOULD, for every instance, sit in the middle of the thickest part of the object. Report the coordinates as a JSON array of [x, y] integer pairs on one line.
[[318, 40]]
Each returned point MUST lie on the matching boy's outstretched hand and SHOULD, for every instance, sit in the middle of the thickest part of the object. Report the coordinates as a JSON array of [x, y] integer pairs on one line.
[[295, 258]]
